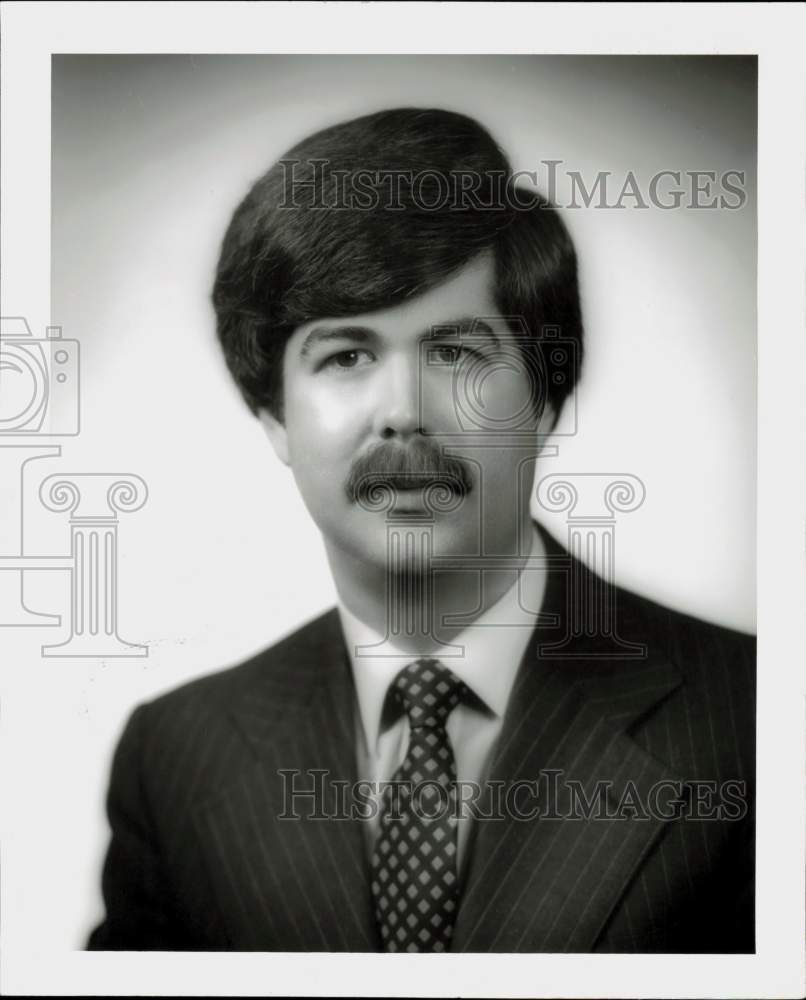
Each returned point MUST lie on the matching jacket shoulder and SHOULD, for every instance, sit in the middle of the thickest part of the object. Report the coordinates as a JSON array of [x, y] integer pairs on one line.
[[682, 637], [276, 666]]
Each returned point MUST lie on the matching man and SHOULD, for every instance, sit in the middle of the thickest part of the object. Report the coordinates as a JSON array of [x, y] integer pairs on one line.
[[459, 757]]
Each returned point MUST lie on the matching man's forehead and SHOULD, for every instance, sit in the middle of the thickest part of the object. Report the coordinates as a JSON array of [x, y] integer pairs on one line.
[[462, 303]]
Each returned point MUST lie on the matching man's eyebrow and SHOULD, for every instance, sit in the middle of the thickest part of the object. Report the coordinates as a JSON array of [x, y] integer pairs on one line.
[[364, 334], [462, 327], [324, 334]]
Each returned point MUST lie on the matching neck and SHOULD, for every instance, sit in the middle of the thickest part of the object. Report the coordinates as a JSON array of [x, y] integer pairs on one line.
[[410, 605]]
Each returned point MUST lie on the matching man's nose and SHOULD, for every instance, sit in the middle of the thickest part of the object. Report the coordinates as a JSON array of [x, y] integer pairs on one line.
[[398, 407]]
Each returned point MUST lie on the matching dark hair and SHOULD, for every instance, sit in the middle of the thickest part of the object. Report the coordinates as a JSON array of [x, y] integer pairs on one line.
[[373, 211]]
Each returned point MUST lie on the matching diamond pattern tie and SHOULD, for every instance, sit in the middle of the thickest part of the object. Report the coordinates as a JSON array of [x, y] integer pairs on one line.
[[414, 874]]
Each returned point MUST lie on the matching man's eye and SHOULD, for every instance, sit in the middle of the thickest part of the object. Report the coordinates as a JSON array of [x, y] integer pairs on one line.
[[347, 359], [446, 355]]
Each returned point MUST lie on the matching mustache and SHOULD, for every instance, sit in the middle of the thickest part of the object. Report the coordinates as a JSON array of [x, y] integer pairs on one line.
[[413, 466]]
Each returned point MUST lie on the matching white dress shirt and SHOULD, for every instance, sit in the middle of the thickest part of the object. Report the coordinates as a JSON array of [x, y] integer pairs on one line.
[[493, 647]]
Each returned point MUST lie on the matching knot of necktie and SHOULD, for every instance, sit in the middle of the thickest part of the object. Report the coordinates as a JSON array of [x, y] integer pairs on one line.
[[428, 692]]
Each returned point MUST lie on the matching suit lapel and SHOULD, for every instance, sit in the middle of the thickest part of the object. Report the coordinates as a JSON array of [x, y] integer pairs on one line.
[[549, 884], [290, 872]]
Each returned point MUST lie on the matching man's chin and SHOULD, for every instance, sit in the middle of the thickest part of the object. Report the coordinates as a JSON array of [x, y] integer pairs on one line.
[[409, 544]]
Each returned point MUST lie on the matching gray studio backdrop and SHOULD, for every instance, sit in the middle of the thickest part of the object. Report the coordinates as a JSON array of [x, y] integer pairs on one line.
[[150, 155]]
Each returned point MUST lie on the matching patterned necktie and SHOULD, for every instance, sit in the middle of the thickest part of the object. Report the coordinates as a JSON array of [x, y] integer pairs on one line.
[[414, 875]]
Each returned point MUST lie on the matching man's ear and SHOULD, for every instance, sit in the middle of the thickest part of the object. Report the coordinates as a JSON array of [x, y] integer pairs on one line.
[[276, 433]]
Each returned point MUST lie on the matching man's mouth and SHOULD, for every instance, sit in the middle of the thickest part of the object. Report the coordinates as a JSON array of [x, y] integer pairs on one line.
[[407, 482], [410, 491]]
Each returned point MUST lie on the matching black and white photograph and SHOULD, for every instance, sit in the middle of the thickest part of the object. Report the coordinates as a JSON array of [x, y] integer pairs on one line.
[[402, 501]]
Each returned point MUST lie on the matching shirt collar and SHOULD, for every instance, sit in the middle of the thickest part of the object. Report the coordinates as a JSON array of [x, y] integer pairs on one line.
[[492, 649]]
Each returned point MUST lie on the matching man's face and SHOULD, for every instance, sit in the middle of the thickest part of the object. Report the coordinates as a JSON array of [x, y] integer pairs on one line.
[[382, 395]]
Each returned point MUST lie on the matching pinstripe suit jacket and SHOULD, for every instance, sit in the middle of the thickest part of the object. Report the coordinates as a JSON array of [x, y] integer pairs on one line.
[[199, 859]]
